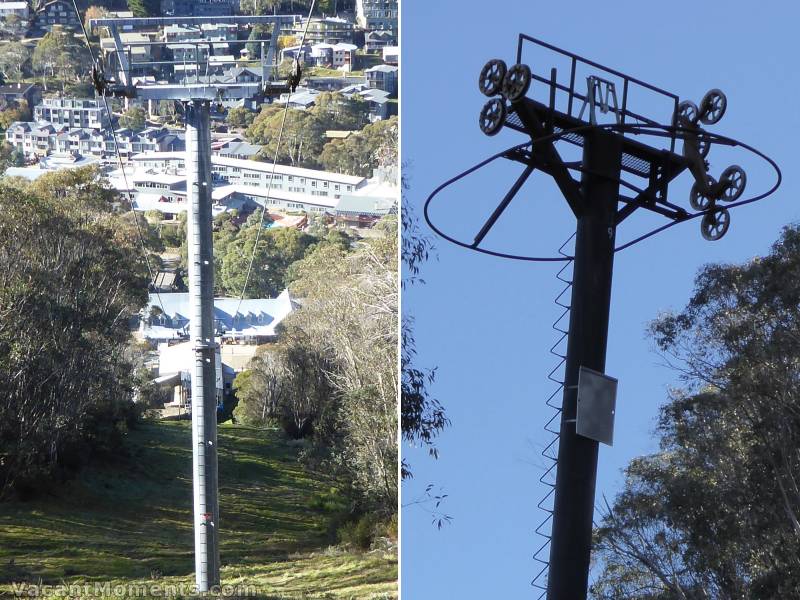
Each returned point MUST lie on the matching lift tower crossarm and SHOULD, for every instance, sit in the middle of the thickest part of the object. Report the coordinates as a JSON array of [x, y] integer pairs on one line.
[[546, 153], [123, 60]]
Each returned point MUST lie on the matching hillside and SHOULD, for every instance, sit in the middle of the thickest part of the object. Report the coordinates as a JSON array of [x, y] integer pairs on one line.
[[130, 522]]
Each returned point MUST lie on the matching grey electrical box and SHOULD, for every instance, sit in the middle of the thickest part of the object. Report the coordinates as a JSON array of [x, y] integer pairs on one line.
[[597, 401]]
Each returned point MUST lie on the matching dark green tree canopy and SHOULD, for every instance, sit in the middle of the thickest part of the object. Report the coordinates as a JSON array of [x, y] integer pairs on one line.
[[716, 513], [70, 279]]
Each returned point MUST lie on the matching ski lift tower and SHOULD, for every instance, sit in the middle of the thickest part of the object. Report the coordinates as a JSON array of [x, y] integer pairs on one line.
[[590, 108], [193, 95]]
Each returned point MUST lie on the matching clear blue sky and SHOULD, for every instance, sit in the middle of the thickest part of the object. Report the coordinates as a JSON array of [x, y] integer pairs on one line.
[[485, 322]]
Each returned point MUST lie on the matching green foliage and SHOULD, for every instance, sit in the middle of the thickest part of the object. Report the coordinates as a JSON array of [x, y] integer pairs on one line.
[[304, 131], [13, 57], [70, 279], [302, 141], [154, 217], [21, 112], [331, 501], [359, 154], [716, 512], [135, 118], [347, 332], [240, 116], [59, 55], [145, 8], [359, 534], [336, 111], [285, 41], [94, 12], [10, 157], [277, 250], [260, 31]]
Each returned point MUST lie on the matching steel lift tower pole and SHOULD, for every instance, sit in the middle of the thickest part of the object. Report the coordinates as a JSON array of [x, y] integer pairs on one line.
[[613, 157], [195, 98], [586, 346], [204, 384]]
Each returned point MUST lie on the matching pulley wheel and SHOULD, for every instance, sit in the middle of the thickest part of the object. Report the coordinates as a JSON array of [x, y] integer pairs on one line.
[[687, 110], [491, 78], [698, 199], [737, 179], [517, 82], [715, 224], [493, 116], [712, 107]]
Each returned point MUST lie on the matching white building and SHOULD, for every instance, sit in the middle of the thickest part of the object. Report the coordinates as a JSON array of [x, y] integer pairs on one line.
[[329, 30], [239, 325], [257, 174], [375, 15], [20, 9], [167, 317], [383, 77], [72, 112], [51, 164], [391, 55], [43, 138]]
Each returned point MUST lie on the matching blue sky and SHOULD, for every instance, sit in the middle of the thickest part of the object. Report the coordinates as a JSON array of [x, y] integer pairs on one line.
[[485, 322]]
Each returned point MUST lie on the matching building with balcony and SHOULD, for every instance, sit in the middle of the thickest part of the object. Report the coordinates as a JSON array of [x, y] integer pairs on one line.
[[383, 77], [72, 112], [327, 30], [377, 15], [56, 12]]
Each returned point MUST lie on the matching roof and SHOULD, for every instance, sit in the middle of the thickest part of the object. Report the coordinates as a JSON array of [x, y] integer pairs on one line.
[[375, 95], [165, 279], [236, 71], [13, 5], [302, 98], [289, 220], [365, 205], [382, 69], [52, 2], [254, 165], [334, 20], [238, 147], [29, 173], [180, 29], [146, 201], [336, 134], [255, 316]]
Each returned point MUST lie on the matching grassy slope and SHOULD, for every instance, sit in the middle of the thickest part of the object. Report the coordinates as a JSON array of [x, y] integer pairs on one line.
[[132, 522]]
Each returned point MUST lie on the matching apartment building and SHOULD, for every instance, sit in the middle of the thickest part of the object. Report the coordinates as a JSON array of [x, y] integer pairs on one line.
[[377, 15], [253, 173], [72, 112]]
